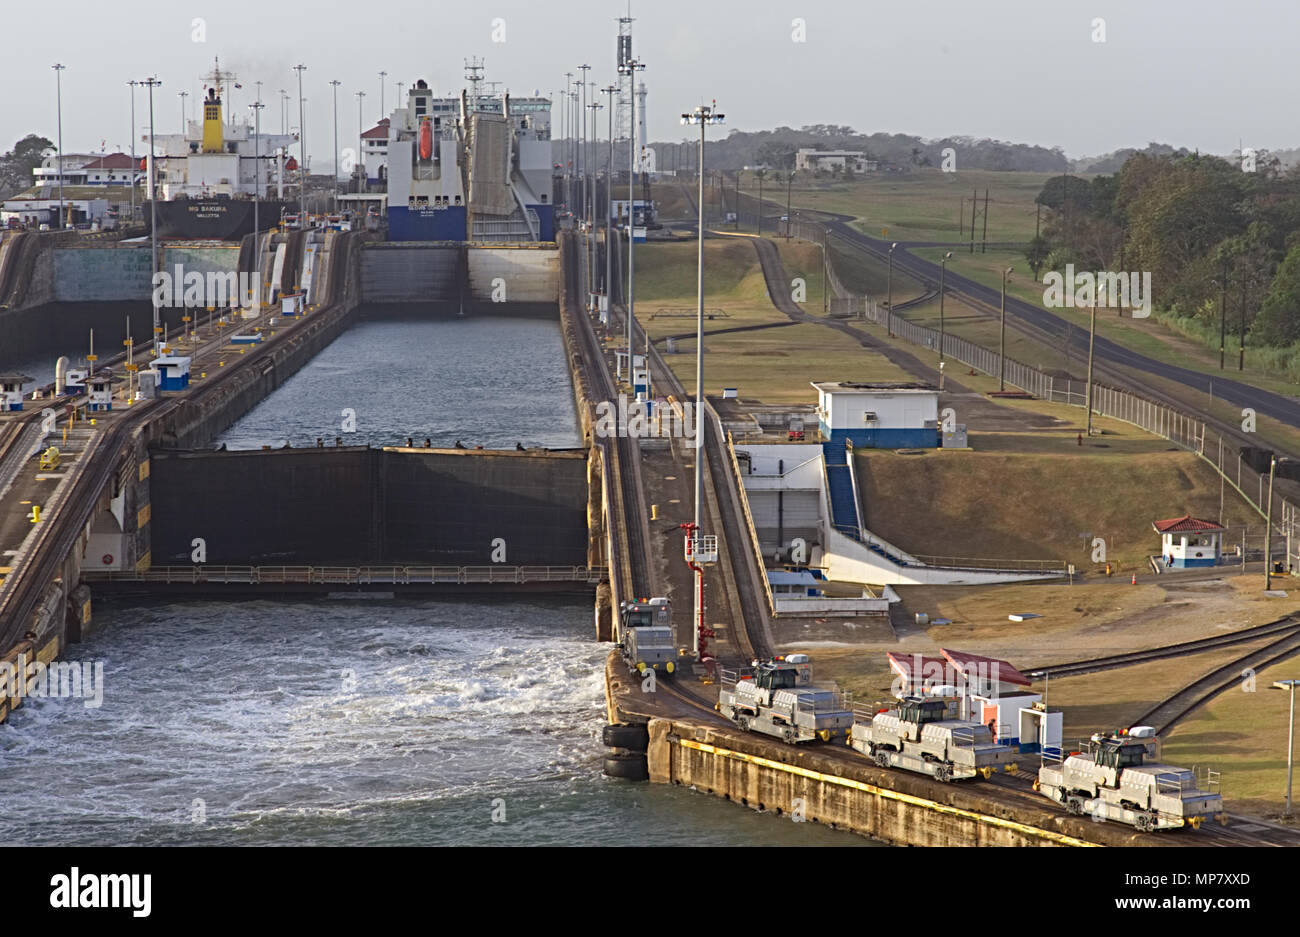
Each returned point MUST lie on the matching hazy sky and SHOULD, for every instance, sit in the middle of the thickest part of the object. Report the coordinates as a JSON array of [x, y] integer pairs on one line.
[[1187, 72]]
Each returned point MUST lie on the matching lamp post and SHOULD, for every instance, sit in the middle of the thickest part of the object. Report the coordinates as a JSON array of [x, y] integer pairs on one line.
[[610, 91], [361, 129], [582, 138], [302, 153], [789, 220], [630, 67], [183, 95], [1092, 338], [943, 268], [889, 301], [1273, 462], [1002, 334], [134, 164], [703, 115], [58, 90], [1290, 738], [594, 107], [256, 108], [152, 83], [335, 83], [382, 76]]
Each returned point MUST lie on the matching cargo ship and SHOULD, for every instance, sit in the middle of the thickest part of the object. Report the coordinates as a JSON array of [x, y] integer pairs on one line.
[[208, 177], [470, 167]]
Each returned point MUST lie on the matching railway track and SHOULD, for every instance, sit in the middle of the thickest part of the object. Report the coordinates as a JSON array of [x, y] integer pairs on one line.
[[1165, 714], [1287, 625]]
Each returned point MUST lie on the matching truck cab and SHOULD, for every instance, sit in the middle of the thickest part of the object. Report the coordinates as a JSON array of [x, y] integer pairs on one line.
[[646, 636]]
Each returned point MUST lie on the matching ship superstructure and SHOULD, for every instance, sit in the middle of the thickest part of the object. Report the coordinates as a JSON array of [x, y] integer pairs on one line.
[[208, 176], [470, 168]]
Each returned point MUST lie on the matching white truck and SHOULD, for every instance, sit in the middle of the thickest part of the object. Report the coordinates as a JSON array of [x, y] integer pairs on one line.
[[645, 636]]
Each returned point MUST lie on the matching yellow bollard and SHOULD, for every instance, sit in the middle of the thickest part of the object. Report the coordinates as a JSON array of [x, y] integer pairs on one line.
[[654, 512], [36, 513]]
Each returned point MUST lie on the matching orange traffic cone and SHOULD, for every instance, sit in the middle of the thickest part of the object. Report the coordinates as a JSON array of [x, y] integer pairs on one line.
[[1134, 581]]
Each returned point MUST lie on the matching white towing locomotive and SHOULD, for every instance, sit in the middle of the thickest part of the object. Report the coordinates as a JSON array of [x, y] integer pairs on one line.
[[776, 697], [645, 636], [1112, 781], [918, 736]]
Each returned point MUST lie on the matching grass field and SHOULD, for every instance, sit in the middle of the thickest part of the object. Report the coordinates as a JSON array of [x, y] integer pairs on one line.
[[927, 205], [772, 364], [1039, 496]]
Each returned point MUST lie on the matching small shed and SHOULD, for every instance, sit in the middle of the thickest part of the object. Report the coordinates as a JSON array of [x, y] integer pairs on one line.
[[883, 415], [99, 387], [11, 390], [803, 583], [1188, 542], [173, 372]]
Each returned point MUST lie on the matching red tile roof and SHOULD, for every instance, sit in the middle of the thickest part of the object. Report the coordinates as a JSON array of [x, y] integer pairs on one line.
[[110, 161], [1184, 524], [379, 130], [982, 666]]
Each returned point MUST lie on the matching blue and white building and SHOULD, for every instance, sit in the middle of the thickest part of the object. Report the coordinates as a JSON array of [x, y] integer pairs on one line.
[[11, 390], [1188, 542], [878, 415]]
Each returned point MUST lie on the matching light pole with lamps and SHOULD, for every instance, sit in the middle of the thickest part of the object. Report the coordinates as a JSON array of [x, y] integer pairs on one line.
[[152, 83], [335, 83], [610, 91], [1002, 334], [382, 76], [256, 108], [630, 67], [943, 268], [1290, 738], [134, 164], [1092, 338], [361, 142], [704, 115], [302, 153], [1273, 462], [183, 95], [889, 301], [58, 86]]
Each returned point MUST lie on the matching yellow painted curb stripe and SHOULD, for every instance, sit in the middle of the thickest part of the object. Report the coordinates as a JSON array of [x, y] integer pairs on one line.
[[1025, 828]]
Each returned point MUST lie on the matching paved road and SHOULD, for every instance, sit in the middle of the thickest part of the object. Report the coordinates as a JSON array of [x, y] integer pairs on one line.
[[1279, 407]]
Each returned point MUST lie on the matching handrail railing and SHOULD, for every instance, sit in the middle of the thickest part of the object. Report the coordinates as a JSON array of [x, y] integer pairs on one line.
[[352, 575]]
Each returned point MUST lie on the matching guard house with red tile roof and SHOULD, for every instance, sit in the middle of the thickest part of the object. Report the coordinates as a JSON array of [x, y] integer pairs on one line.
[[981, 689], [1189, 542]]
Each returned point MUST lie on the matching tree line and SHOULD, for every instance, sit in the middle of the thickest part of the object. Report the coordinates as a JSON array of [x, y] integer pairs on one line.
[[1220, 237]]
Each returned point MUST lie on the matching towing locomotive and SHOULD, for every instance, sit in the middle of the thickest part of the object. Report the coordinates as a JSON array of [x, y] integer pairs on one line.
[[777, 697], [645, 638], [918, 736], [1114, 781]]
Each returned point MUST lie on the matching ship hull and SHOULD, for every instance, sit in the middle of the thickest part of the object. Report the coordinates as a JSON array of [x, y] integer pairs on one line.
[[215, 219]]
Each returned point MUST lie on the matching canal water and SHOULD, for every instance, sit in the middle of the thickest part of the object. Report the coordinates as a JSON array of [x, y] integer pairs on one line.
[[355, 721]]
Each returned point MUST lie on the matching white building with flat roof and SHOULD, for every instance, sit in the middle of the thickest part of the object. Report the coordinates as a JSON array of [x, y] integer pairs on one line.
[[811, 160]]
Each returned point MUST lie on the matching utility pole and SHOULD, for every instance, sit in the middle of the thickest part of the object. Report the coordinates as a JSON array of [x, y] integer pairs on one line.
[[789, 219], [1002, 333], [58, 85], [256, 108], [152, 83], [335, 84], [889, 302], [1092, 335], [134, 164], [630, 68], [943, 268], [610, 91], [984, 239], [1223, 312], [302, 153], [1241, 357], [361, 142], [974, 205]]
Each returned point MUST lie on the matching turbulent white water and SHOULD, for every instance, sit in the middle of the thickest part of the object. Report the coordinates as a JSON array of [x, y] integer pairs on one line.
[[360, 721], [378, 722]]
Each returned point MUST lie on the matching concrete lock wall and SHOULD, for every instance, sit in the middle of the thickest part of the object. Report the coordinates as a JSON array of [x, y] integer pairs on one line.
[[100, 274], [520, 275], [358, 506]]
